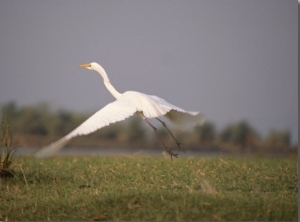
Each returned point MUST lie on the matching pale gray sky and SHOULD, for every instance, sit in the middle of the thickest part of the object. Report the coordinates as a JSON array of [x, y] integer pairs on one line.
[[230, 59]]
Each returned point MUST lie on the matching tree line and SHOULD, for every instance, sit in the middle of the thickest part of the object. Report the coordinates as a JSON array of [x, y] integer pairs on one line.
[[35, 122]]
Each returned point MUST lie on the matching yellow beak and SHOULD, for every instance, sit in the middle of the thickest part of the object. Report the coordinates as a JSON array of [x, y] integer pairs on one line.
[[85, 66]]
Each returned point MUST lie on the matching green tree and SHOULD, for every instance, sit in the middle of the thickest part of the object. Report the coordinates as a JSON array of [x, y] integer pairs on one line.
[[226, 134], [10, 109], [33, 120], [60, 122], [278, 139], [240, 134], [136, 131], [206, 132]]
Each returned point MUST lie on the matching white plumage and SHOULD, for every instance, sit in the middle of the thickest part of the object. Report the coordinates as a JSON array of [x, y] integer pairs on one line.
[[125, 105]]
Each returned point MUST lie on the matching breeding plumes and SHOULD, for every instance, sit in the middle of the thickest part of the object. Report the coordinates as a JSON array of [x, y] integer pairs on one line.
[[126, 105]]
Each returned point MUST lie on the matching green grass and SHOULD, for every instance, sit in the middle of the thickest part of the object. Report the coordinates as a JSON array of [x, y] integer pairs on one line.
[[141, 188], [6, 150]]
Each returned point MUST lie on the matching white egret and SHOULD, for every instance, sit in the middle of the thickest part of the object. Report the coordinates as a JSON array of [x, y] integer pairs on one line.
[[126, 105]]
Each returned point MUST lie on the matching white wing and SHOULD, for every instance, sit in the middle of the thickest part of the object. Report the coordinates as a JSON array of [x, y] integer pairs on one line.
[[111, 113], [126, 106], [154, 106], [178, 115]]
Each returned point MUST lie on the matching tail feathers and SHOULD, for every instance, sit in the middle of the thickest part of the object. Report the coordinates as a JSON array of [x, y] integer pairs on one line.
[[186, 120], [51, 149]]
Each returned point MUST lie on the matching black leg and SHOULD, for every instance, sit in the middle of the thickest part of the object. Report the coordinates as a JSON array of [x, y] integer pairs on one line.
[[169, 151], [176, 141]]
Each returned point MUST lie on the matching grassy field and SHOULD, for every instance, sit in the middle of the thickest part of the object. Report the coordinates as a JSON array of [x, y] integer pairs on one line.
[[151, 188]]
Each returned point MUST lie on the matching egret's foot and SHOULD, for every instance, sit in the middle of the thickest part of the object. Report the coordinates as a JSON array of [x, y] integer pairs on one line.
[[169, 151]]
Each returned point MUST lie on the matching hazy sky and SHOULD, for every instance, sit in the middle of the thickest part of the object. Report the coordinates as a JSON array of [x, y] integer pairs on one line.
[[230, 59]]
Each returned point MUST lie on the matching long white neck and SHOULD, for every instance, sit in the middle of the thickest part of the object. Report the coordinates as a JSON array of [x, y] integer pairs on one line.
[[106, 81]]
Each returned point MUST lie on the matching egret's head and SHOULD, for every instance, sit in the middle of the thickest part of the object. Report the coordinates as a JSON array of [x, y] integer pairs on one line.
[[90, 66]]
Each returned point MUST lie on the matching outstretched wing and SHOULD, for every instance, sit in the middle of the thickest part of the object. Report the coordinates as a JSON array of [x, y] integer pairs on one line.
[[178, 115], [111, 113]]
